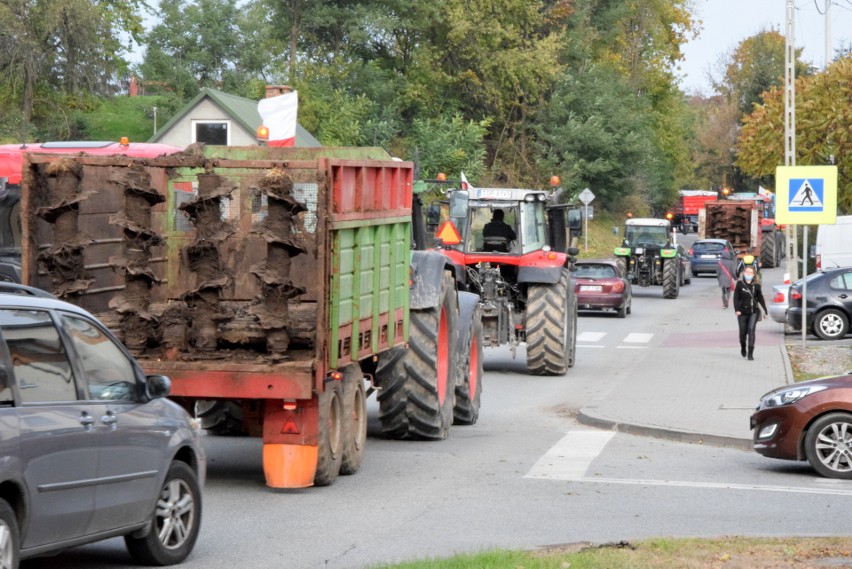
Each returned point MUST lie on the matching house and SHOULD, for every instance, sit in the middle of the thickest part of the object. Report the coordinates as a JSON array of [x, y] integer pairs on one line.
[[214, 117]]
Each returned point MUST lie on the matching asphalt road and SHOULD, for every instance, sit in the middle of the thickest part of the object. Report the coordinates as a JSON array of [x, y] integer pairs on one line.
[[527, 475]]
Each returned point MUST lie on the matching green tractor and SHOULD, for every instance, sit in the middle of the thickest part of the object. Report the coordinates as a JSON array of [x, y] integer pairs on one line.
[[648, 256]]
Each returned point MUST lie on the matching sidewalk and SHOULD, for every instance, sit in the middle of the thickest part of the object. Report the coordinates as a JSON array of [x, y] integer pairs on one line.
[[694, 386]]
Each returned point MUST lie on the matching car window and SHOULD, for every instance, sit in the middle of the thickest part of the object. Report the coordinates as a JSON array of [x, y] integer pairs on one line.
[[708, 247], [841, 282], [595, 272], [39, 362], [109, 373]]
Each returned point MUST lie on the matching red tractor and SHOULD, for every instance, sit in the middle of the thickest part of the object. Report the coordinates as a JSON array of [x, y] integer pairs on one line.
[[512, 248]]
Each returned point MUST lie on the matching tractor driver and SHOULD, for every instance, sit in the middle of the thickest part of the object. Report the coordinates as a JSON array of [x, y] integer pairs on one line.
[[499, 228]]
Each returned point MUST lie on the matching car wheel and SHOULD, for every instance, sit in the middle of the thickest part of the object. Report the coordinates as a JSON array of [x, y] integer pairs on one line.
[[175, 522], [831, 324], [828, 445], [10, 540]]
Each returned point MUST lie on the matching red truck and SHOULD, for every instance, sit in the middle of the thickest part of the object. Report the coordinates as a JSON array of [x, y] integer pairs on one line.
[[276, 287], [685, 210]]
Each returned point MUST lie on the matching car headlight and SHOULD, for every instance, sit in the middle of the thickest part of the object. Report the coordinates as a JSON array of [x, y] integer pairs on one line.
[[791, 395]]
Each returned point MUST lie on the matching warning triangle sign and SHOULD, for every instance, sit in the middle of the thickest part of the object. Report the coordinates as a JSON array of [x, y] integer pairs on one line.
[[449, 234], [807, 196], [290, 427]]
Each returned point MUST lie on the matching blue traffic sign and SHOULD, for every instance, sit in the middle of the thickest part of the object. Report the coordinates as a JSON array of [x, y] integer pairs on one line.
[[806, 194]]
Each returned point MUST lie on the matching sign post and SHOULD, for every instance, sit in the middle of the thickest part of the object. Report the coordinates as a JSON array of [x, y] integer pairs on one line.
[[806, 195], [586, 196]]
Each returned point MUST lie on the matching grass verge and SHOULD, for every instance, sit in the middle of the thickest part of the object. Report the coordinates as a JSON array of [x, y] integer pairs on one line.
[[725, 553]]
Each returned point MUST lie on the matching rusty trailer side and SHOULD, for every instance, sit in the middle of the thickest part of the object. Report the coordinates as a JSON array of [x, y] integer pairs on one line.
[[250, 278]]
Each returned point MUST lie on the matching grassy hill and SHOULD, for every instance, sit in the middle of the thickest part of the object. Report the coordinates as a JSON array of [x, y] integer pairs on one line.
[[132, 117], [601, 238]]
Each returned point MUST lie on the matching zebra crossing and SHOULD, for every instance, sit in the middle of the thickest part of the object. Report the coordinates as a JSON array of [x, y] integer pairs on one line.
[[631, 341]]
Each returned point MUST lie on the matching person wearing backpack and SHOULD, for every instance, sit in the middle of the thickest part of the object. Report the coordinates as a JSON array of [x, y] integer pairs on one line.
[[748, 301]]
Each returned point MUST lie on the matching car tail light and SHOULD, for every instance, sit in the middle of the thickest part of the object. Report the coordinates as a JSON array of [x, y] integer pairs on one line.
[[778, 298], [691, 252], [795, 295], [617, 286], [818, 261]]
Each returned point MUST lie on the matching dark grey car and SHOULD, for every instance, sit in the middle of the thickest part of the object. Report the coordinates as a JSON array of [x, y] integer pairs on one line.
[[90, 448]]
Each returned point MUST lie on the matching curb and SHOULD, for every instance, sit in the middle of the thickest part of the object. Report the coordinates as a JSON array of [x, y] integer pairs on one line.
[[590, 419], [788, 367]]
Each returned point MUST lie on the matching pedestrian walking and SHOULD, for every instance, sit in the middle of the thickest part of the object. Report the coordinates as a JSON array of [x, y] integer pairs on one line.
[[748, 300], [725, 275]]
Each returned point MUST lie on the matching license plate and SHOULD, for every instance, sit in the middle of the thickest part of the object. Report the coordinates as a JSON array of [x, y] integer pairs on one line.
[[590, 288], [708, 256]]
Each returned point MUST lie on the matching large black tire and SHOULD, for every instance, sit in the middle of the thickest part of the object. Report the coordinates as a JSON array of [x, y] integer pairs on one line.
[[828, 445], [572, 330], [549, 323], [175, 521], [670, 278], [221, 417], [621, 262], [330, 435], [354, 420], [831, 324], [469, 389], [417, 392], [10, 537], [768, 250]]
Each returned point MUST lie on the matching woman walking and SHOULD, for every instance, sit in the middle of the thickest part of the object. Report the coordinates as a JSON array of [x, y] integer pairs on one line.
[[748, 298], [725, 275]]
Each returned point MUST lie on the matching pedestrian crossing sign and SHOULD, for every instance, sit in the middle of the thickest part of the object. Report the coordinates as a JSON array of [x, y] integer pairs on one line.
[[806, 195]]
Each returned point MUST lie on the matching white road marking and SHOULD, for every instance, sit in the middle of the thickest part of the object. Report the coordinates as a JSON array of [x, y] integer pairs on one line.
[[632, 347], [715, 485], [590, 336], [588, 346], [638, 338], [569, 458]]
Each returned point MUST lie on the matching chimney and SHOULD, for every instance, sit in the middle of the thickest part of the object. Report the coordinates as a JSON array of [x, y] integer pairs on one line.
[[275, 90]]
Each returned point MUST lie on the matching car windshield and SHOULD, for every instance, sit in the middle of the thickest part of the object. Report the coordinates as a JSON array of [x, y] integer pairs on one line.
[[708, 247], [595, 272], [646, 235]]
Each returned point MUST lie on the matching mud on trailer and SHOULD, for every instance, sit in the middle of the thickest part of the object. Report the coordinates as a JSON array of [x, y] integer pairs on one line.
[[272, 285]]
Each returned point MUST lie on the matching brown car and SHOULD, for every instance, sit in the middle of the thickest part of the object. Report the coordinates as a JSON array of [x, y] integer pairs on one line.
[[601, 286], [810, 420]]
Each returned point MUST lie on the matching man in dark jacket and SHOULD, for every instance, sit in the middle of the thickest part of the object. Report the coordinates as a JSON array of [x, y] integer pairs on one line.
[[498, 228]]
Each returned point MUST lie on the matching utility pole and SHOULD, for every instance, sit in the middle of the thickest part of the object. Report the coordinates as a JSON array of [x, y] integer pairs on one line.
[[827, 33], [791, 232]]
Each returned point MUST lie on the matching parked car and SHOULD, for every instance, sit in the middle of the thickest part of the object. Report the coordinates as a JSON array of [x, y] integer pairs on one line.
[[685, 265], [91, 447], [829, 303], [601, 286], [704, 255], [810, 420], [779, 302]]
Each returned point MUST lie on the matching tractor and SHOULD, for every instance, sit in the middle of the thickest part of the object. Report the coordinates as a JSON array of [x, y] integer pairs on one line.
[[648, 255], [512, 247]]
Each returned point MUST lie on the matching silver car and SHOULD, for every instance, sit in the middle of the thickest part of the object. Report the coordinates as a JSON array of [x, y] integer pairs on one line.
[[779, 302], [90, 448]]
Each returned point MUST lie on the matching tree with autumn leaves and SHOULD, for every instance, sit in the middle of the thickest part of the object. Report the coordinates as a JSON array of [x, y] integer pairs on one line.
[[823, 128]]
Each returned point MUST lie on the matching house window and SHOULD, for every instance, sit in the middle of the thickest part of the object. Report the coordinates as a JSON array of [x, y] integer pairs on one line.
[[211, 132]]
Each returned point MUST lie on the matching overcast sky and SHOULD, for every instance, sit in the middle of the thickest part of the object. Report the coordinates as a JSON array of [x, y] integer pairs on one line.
[[727, 22]]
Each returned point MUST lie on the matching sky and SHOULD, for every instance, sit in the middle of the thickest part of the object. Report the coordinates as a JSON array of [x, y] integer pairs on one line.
[[727, 22]]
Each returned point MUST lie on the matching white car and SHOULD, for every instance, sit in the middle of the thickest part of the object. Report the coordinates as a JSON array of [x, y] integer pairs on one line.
[[779, 302]]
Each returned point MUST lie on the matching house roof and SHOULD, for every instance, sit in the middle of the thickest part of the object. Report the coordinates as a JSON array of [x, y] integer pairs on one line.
[[242, 110]]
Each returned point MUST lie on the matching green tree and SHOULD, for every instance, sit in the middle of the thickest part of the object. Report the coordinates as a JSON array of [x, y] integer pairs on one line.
[[823, 128], [70, 47]]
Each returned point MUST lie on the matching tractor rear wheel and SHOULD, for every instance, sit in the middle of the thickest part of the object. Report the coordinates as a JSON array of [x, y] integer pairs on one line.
[[670, 278], [549, 349], [767, 251], [468, 390], [417, 393], [330, 436]]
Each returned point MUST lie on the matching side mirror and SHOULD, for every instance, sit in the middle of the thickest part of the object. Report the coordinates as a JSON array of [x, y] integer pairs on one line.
[[157, 386], [433, 215]]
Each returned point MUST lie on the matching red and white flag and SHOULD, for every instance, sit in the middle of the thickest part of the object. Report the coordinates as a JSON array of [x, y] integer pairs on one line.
[[465, 185], [279, 115], [762, 191]]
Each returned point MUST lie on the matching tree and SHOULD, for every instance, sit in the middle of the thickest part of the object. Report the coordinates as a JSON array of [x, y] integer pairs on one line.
[[823, 128], [755, 66], [69, 46]]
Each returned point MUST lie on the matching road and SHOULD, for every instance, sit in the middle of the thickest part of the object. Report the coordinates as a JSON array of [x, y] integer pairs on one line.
[[527, 475]]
